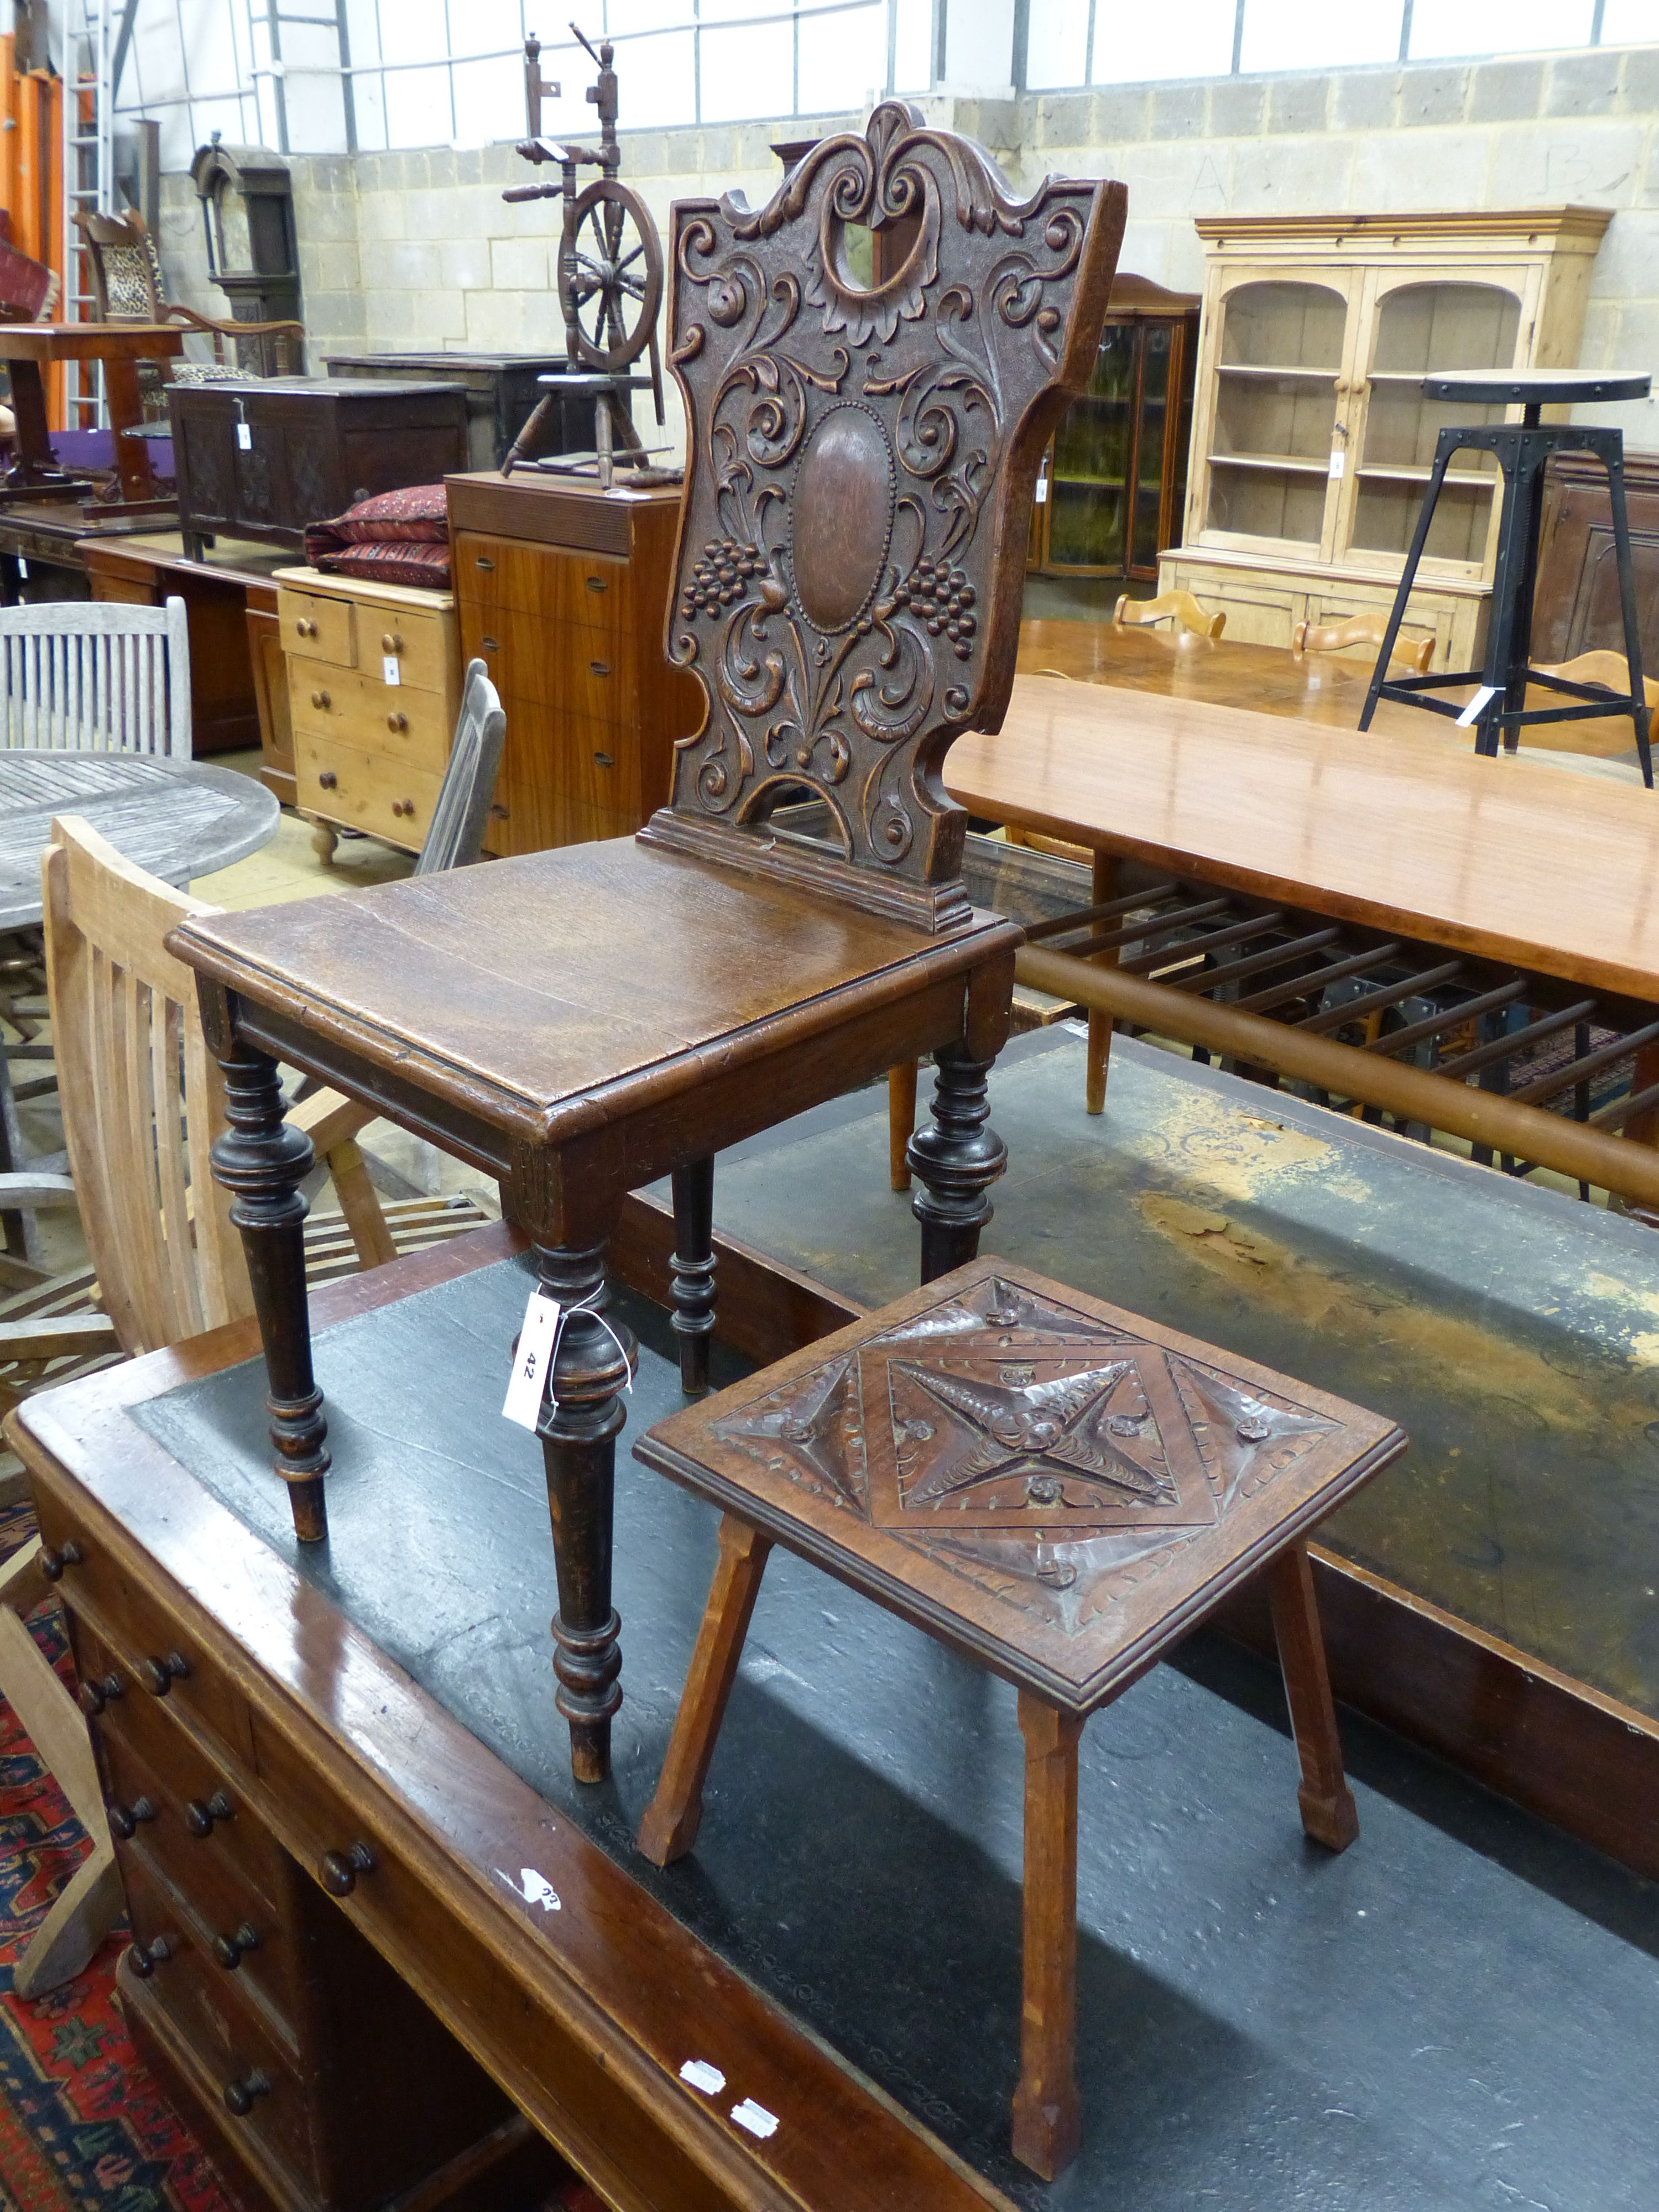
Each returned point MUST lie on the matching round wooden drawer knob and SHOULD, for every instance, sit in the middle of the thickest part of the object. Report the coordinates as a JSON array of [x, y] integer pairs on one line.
[[390, 643], [52, 1564], [239, 2095], [305, 629], [125, 1818], [228, 1950], [396, 722], [94, 1696], [337, 1871], [159, 1675], [200, 1814], [403, 806], [319, 699], [328, 779], [145, 1957]]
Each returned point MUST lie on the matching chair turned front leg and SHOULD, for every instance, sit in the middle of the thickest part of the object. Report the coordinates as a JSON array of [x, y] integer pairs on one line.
[[691, 1271], [262, 1161], [675, 1813], [1330, 1814], [579, 1425], [1047, 2120], [955, 1159]]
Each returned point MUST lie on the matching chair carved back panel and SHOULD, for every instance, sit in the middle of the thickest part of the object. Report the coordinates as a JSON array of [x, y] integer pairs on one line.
[[859, 467]]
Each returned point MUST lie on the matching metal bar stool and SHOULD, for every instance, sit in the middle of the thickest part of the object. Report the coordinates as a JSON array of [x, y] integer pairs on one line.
[[1521, 450]]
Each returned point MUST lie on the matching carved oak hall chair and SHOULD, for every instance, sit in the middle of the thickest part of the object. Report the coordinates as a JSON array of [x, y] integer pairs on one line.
[[859, 468]]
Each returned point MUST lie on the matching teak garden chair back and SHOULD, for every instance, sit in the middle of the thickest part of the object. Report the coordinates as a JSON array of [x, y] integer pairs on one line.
[[77, 678]]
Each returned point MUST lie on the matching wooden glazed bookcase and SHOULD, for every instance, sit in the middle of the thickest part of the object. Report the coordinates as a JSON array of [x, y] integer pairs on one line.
[[1312, 440], [1114, 479]]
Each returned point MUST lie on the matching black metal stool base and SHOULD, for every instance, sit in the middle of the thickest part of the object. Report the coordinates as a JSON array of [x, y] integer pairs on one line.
[[1521, 451]]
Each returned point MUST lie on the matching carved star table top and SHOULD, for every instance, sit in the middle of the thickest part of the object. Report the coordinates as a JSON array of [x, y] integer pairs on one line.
[[1060, 1488]]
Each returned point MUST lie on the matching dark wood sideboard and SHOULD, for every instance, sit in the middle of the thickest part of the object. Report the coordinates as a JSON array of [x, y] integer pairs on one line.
[[563, 590], [263, 459], [1576, 607]]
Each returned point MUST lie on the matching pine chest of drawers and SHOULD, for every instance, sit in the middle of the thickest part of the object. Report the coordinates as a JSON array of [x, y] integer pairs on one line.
[[373, 685], [562, 592]]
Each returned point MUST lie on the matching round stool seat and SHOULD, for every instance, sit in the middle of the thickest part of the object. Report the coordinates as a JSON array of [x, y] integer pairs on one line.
[[1538, 387]]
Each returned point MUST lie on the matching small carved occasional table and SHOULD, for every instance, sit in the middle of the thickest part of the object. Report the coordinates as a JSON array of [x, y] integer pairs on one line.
[[859, 474], [27, 348], [1059, 1490]]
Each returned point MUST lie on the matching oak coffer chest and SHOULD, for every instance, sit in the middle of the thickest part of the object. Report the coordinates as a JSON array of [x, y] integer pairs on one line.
[[263, 458]]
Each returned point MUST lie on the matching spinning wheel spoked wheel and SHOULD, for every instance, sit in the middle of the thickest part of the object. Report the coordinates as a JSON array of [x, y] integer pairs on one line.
[[611, 274]]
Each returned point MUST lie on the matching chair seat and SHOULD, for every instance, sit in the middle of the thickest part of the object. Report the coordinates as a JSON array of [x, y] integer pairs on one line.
[[206, 371], [1537, 387], [517, 990], [1060, 1488]]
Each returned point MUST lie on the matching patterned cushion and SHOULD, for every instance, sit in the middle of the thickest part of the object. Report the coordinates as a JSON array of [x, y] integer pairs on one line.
[[206, 371], [385, 562], [126, 282], [418, 515]]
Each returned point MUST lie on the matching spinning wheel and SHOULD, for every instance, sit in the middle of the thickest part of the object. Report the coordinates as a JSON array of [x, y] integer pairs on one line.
[[611, 275]]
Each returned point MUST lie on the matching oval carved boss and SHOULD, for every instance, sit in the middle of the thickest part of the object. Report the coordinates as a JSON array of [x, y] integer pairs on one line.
[[843, 496]]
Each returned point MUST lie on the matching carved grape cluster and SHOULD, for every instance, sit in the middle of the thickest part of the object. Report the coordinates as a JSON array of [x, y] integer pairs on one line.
[[943, 598], [721, 576]]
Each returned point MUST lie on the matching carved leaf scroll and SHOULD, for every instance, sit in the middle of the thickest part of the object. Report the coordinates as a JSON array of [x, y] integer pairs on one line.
[[859, 467]]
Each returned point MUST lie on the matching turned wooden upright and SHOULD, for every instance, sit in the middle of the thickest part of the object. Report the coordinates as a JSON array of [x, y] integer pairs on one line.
[[858, 478]]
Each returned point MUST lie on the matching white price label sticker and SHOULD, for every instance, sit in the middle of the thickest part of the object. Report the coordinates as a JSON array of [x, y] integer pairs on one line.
[[1339, 462], [391, 669], [1042, 492], [756, 2118], [245, 437], [1477, 705], [532, 1361], [701, 2076]]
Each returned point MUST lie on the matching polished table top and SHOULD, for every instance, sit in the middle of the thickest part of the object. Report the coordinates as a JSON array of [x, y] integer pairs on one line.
[[42, 341], [179, 819], [1319, 687], [1512, 858]]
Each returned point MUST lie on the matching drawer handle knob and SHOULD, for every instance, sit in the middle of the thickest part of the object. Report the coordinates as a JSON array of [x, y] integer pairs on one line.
[[320, 699], [227, 1949], [145, 1957], [328, 779], [489, 645], [159, 1675], [125, 1818], [596, 583], [337, 1871], [52, 1564], [499, 814], [200, 1815], [482, 562], [396, 722], [391, 642], [599, 667], [94, 1696], [239, 2095], [305, 629], [604, 760]]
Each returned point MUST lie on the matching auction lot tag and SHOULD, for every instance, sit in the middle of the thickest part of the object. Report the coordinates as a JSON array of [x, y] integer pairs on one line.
[[532, 1361]]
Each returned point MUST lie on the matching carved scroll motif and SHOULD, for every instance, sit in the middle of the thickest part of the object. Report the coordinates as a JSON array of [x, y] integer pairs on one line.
[[859, 462]]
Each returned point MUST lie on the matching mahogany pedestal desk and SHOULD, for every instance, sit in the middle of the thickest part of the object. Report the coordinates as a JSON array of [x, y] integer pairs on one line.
[[581, 1022]]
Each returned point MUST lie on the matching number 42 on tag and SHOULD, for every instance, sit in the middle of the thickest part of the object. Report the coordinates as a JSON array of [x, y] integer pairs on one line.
[[531, 1360]]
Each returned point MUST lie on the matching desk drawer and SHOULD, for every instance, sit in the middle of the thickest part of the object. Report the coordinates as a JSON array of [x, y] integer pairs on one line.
[[132, 1618], [320, 628], [396, 720], [496, 576], [419, 642], [387, 798], [221, 2023], [568, 672], [191, 1793]]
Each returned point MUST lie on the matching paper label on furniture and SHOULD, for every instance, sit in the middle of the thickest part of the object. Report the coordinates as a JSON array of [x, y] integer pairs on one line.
[[756, 2118], [534, 1888], [532, 1361], [391, 669], [1339, 462], [1041, 495], [1477, 705], [701, 2076], [245, 437]]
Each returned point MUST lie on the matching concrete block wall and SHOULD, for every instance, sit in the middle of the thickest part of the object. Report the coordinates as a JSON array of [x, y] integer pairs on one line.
[[401, 250]]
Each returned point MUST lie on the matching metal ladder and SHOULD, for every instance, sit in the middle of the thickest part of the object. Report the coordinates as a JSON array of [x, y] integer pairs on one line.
[[88, 187]]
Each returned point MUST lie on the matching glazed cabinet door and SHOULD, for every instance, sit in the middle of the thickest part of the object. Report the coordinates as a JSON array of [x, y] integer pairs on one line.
[[1414, 321], [1271, 441]]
